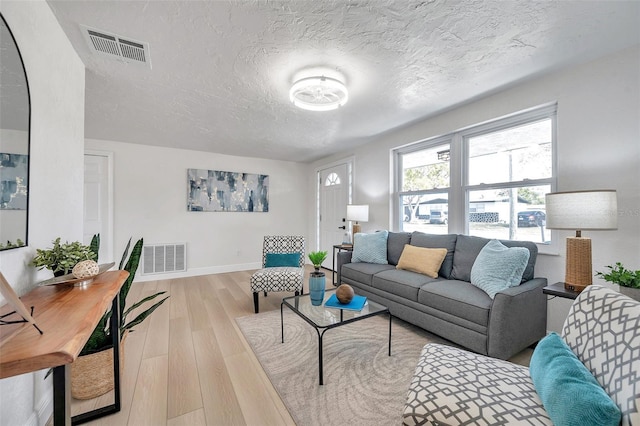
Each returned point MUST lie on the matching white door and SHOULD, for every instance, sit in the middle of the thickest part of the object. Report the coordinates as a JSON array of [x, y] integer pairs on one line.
[[334, 197], [97, 203]]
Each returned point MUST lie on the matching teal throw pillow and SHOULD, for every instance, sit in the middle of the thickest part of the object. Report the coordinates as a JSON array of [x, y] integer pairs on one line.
[[498, 267], [569, 392], [370, 248], [282, 259]]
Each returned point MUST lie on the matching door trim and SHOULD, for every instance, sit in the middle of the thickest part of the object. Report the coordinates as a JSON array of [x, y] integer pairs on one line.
[[110, 232]]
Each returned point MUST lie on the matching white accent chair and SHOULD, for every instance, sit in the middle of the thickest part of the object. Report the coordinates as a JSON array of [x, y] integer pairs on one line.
[[279, 278], [453, 386]]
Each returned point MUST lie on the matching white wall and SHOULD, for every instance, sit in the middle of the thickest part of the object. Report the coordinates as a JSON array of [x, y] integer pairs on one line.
[[56, 80], [150, 197], [598, 148]]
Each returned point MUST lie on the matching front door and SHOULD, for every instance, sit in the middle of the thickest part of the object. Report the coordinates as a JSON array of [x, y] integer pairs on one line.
[[334, 197]]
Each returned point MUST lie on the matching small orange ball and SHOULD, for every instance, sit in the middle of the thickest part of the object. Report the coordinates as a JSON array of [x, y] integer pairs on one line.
[[345, 293]]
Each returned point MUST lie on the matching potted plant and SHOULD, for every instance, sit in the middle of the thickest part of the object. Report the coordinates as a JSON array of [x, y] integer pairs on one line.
[[317, 257], [92, 372], [61, 258], [629, 281], [316, 278]]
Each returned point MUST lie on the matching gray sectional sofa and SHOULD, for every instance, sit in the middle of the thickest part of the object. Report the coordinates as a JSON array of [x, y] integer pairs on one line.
[[449, 305]]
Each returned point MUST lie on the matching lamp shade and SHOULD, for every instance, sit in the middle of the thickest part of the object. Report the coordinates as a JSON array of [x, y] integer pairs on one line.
[[358, 212], [579, 210]]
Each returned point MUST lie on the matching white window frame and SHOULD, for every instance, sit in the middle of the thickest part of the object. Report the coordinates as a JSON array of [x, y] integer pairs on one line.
[[397, 214], [459, 169]]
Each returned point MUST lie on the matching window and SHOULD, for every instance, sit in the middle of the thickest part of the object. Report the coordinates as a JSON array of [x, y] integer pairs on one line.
[[508, 172], [424, 188], [505, 168], [332, 179]]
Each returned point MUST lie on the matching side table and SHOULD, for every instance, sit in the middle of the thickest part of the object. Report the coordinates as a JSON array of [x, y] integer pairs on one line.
[[559, 290], [337, 249], [67, 315]]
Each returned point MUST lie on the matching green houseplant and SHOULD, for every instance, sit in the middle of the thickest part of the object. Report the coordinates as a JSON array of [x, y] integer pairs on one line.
[[98, 349], [317, 257], [629, 281], [61, 258]]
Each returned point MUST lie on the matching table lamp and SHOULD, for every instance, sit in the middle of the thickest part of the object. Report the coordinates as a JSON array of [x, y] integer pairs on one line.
[[357, 213], [581, 210]]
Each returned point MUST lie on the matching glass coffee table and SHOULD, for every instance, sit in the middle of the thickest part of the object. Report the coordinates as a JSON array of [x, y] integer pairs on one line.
[[323, 319]]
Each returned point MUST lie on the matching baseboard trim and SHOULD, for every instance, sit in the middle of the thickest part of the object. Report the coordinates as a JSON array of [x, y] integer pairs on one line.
[[194, 272], [43, 413]]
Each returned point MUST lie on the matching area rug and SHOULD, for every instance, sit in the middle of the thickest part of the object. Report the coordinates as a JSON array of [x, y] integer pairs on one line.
[[362, 384]]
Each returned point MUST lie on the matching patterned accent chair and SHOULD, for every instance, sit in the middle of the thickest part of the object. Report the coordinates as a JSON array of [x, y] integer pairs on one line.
[[279, 278], [453, 386]]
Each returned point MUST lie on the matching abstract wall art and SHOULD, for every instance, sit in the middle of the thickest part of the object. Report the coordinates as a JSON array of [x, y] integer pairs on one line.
[[219, 191]]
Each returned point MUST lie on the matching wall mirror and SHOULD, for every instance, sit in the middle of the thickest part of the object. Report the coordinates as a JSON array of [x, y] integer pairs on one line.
[[15, 112]]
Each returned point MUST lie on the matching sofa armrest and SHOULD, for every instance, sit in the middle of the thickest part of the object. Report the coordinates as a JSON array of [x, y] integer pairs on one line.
[[342, 258], [518, 318]]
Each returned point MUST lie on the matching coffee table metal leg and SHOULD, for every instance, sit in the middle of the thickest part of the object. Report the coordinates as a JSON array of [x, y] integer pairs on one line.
[[281, 323], [389, 333], [320, 355]]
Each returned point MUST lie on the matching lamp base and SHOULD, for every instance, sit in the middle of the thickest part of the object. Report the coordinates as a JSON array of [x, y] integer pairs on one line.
[[578, 273], [356, 228]]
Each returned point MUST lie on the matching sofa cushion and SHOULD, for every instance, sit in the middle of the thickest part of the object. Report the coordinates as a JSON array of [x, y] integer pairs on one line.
[[498, 267], [448, 241], [401, 283], [468, 248], [273, 260], [422, 260], [458, 298], [395, 245], [452, 386], [363, 272], [569, 392], [370, 248]]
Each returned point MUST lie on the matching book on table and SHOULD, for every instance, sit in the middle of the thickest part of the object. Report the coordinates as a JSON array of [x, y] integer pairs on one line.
[[356, 304]]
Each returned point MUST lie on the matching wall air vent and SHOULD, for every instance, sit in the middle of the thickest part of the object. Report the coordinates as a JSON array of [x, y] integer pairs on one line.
[[116, 47], [161, 258]]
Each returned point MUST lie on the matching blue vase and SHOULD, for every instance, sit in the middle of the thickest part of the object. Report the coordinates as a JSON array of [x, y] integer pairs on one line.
[[316, 287]]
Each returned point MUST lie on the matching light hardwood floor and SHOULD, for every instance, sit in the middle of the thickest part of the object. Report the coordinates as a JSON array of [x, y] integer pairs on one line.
[[189, 364]]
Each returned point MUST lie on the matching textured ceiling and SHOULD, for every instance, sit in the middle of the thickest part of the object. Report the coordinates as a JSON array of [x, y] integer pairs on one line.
[[221, 70]]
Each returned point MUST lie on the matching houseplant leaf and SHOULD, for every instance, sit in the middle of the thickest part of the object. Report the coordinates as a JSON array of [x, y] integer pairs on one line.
[[132, 267], [146, 299], [94, 246], [137, 320]]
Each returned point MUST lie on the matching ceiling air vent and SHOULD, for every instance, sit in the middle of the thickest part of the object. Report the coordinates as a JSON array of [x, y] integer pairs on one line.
[[116, 47]]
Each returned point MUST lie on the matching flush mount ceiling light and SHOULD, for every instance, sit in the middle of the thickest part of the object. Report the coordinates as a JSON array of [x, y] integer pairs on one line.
[[318, 93]]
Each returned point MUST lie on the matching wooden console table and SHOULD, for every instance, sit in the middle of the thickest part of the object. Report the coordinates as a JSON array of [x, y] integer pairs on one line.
[[67, 316]]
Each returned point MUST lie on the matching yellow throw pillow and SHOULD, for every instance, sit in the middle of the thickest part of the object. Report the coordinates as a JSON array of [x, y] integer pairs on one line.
[[422, 260]]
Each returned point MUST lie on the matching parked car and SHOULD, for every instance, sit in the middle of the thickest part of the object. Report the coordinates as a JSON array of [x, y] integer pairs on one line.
[[532, 218], [437, 216]]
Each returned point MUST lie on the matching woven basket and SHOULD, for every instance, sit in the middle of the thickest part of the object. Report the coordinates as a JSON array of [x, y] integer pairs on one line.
[[92, 375]]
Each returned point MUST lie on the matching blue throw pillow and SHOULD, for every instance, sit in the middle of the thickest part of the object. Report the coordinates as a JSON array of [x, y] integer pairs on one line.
[[370, 248], [569, 392], [282, 259], [498, 267]]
